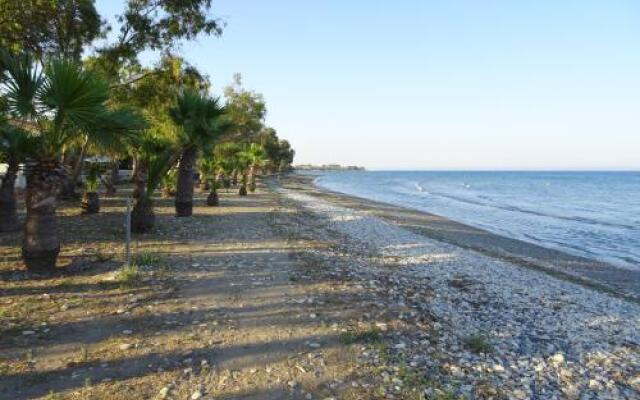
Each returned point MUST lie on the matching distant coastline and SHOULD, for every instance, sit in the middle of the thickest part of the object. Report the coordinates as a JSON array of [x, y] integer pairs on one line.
[[328, 167]]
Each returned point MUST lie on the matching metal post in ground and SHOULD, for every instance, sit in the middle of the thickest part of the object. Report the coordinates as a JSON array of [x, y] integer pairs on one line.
[[127, 228]]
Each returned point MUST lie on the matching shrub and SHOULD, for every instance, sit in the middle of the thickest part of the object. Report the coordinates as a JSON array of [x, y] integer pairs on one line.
[[148, 259], [478, 344], [128, 276], [369, 337]]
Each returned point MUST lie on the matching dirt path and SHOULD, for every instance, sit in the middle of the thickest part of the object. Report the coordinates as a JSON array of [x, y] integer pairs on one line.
[[222, 310], [283, 295]]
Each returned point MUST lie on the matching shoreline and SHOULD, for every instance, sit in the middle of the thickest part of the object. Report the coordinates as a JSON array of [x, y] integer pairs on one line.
[[528, 333], [285, 294], [595, 274]]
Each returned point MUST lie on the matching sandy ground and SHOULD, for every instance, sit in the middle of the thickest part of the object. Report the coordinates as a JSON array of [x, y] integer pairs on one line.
[[292, 293], [216, 312]]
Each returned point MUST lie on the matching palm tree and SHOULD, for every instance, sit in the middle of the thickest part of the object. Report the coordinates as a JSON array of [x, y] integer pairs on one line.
[[208, 181], [169, 182], [156, 156], [62, 102], [206, 167], [76, 154], [202, 121], [15, 144], [223, 168], [257, 158], [243, 161], [90, 200], [226, 155]]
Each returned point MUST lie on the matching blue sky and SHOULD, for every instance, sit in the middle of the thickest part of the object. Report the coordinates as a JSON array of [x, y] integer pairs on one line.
[[417, 84]]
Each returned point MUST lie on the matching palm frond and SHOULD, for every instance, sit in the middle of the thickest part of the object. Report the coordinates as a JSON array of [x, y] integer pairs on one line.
[[158, 155], [17, 143], [113, 129], [201, 119], [21, 81], [76, 97]]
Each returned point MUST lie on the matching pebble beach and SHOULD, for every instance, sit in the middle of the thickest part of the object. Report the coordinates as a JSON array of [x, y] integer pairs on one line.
[[540, 337]]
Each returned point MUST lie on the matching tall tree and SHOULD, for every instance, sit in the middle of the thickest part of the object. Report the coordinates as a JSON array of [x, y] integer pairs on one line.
[[268, 139], [246, 110], [49, 27], [202, 121], [154, 92], [60, 103], [157, 25], [285, 155], [226, 156], [257, 159]]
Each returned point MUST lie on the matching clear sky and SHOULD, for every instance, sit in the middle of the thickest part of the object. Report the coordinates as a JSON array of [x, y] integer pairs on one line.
[[418, 84]]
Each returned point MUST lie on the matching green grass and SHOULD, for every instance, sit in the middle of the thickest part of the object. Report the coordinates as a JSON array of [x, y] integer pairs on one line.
[[24, 310], [371, 336], [128, 276], [478, 344], [148, 259]]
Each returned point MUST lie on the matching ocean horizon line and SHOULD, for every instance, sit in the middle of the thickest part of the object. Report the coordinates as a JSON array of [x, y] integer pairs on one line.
[[637, 170]]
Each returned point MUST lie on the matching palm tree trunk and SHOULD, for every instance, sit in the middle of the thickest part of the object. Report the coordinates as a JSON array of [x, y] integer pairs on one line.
[[212, 199], [243, 185], [69, 188], [41, 244], [139, 179], [234, 177], [143, 217], [252, 179], [90, 203], [184, 192], [8, 213], [226, 181], [112, 180], [134, 168]]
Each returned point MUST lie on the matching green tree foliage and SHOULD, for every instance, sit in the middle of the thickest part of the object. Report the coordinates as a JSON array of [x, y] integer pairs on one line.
[[15, 145], [201, 121], [206, 170], [285, 155], [157, 25], [246, 110], [154, 93], [45, 28], [156, 156], [56, 105], [268, 139], [277, 151]]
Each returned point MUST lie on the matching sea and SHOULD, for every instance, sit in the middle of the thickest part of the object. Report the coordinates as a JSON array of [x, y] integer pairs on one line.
[[591, 214]]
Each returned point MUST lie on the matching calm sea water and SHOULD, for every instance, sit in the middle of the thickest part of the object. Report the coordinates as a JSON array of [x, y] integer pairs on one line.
[[591, 214]]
